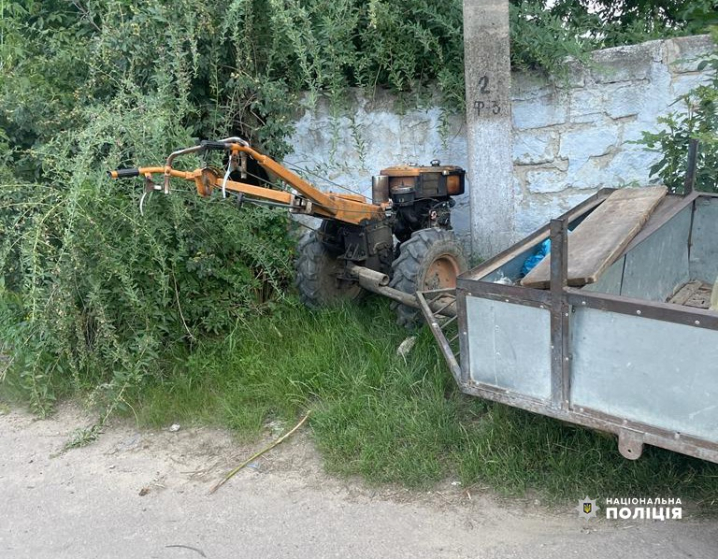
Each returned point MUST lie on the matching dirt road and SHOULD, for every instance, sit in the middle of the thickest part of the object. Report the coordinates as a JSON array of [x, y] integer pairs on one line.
[[136, 494]]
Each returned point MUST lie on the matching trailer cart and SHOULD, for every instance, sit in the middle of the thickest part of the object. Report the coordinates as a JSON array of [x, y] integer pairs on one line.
[[632, 351]]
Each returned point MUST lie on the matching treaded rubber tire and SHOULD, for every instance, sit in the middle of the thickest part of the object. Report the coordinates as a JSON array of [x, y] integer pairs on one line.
[[410, 272], [316, 268]]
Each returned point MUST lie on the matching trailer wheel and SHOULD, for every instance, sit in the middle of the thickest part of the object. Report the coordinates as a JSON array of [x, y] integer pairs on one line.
[[430, 259], [317, 270]]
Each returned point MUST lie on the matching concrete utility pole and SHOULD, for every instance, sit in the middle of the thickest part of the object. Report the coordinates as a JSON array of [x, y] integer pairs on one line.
[[488, 115]]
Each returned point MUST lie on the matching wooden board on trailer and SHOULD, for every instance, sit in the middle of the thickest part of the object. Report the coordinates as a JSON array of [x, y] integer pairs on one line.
[[600, 238], [695, 294], [684, 294]]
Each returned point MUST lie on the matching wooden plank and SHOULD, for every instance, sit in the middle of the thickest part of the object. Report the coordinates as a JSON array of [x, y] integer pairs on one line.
[[701, 299], [670, 206], [686, 292], [600, 239], [536, 238]]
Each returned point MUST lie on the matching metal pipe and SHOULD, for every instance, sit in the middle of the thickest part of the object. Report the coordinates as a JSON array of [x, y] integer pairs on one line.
[[367, 276], [376, 282], [379, 190], [411, 300], [170, 160], [235, 140], [395, 294], [689, 182]]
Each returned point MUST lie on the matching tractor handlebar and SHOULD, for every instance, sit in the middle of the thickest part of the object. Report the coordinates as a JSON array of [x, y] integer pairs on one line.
[[204, 145], [123, 173], [209, 145]]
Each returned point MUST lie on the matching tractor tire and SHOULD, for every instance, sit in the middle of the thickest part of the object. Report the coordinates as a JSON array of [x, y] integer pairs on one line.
[[317, 268], [430, 259]]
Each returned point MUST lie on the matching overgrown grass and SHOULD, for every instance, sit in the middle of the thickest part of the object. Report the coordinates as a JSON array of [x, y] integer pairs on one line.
[[393, 420]]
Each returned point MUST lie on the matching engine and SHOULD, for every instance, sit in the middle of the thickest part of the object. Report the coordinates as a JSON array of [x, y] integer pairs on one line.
[[421, 196]]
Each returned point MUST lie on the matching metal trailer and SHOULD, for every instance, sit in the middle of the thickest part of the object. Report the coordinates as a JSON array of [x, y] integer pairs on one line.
[[614, 355]]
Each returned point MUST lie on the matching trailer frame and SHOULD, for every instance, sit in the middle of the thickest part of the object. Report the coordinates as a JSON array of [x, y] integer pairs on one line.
[[563, 304]]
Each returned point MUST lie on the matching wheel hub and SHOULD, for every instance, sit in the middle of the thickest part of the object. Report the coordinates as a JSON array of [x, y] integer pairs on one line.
[[441, 273]]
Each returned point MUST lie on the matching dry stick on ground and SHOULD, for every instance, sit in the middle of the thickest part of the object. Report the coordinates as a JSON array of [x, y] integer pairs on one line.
[[249, 460], [189, 547]]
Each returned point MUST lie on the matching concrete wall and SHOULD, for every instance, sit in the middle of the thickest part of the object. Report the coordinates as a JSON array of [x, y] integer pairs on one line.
[[569, 138]]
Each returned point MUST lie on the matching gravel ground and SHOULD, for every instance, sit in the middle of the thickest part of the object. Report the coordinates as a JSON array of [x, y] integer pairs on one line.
[[145, 494]]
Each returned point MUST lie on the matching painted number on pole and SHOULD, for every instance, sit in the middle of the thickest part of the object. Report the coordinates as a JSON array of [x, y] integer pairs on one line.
[[484, 84], [485, 107]]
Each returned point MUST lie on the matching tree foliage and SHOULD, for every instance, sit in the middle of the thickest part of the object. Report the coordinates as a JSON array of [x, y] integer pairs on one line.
[[613, 22]]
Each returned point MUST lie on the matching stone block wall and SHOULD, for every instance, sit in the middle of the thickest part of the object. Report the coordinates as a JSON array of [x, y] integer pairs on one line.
[[571, 137]]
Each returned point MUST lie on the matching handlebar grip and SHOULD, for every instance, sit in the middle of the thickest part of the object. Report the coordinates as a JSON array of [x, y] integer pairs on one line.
[[209, 145], [124, 173]]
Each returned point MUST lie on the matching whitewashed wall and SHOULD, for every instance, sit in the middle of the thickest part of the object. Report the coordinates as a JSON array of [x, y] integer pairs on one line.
[[570, 137]]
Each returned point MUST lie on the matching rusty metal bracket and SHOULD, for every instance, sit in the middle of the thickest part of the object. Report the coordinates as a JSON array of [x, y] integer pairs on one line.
[[439, 324], [630, 444]]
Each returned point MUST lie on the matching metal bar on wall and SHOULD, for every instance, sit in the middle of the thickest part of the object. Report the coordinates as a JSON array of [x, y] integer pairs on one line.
[[464, 357], [689, 183]]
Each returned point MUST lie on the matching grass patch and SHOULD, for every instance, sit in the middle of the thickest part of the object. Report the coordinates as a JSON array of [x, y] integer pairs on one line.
[[515, 451], [393, 420]]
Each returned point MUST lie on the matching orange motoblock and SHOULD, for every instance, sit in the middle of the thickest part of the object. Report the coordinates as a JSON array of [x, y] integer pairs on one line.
[[396, 244]]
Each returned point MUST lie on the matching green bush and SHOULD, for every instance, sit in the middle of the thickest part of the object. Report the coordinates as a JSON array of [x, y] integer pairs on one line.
[[97, 291], [91, 293], [698, 120]]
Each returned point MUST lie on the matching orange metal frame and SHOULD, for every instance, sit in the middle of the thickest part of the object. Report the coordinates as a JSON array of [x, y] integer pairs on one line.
[[348, 208]]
